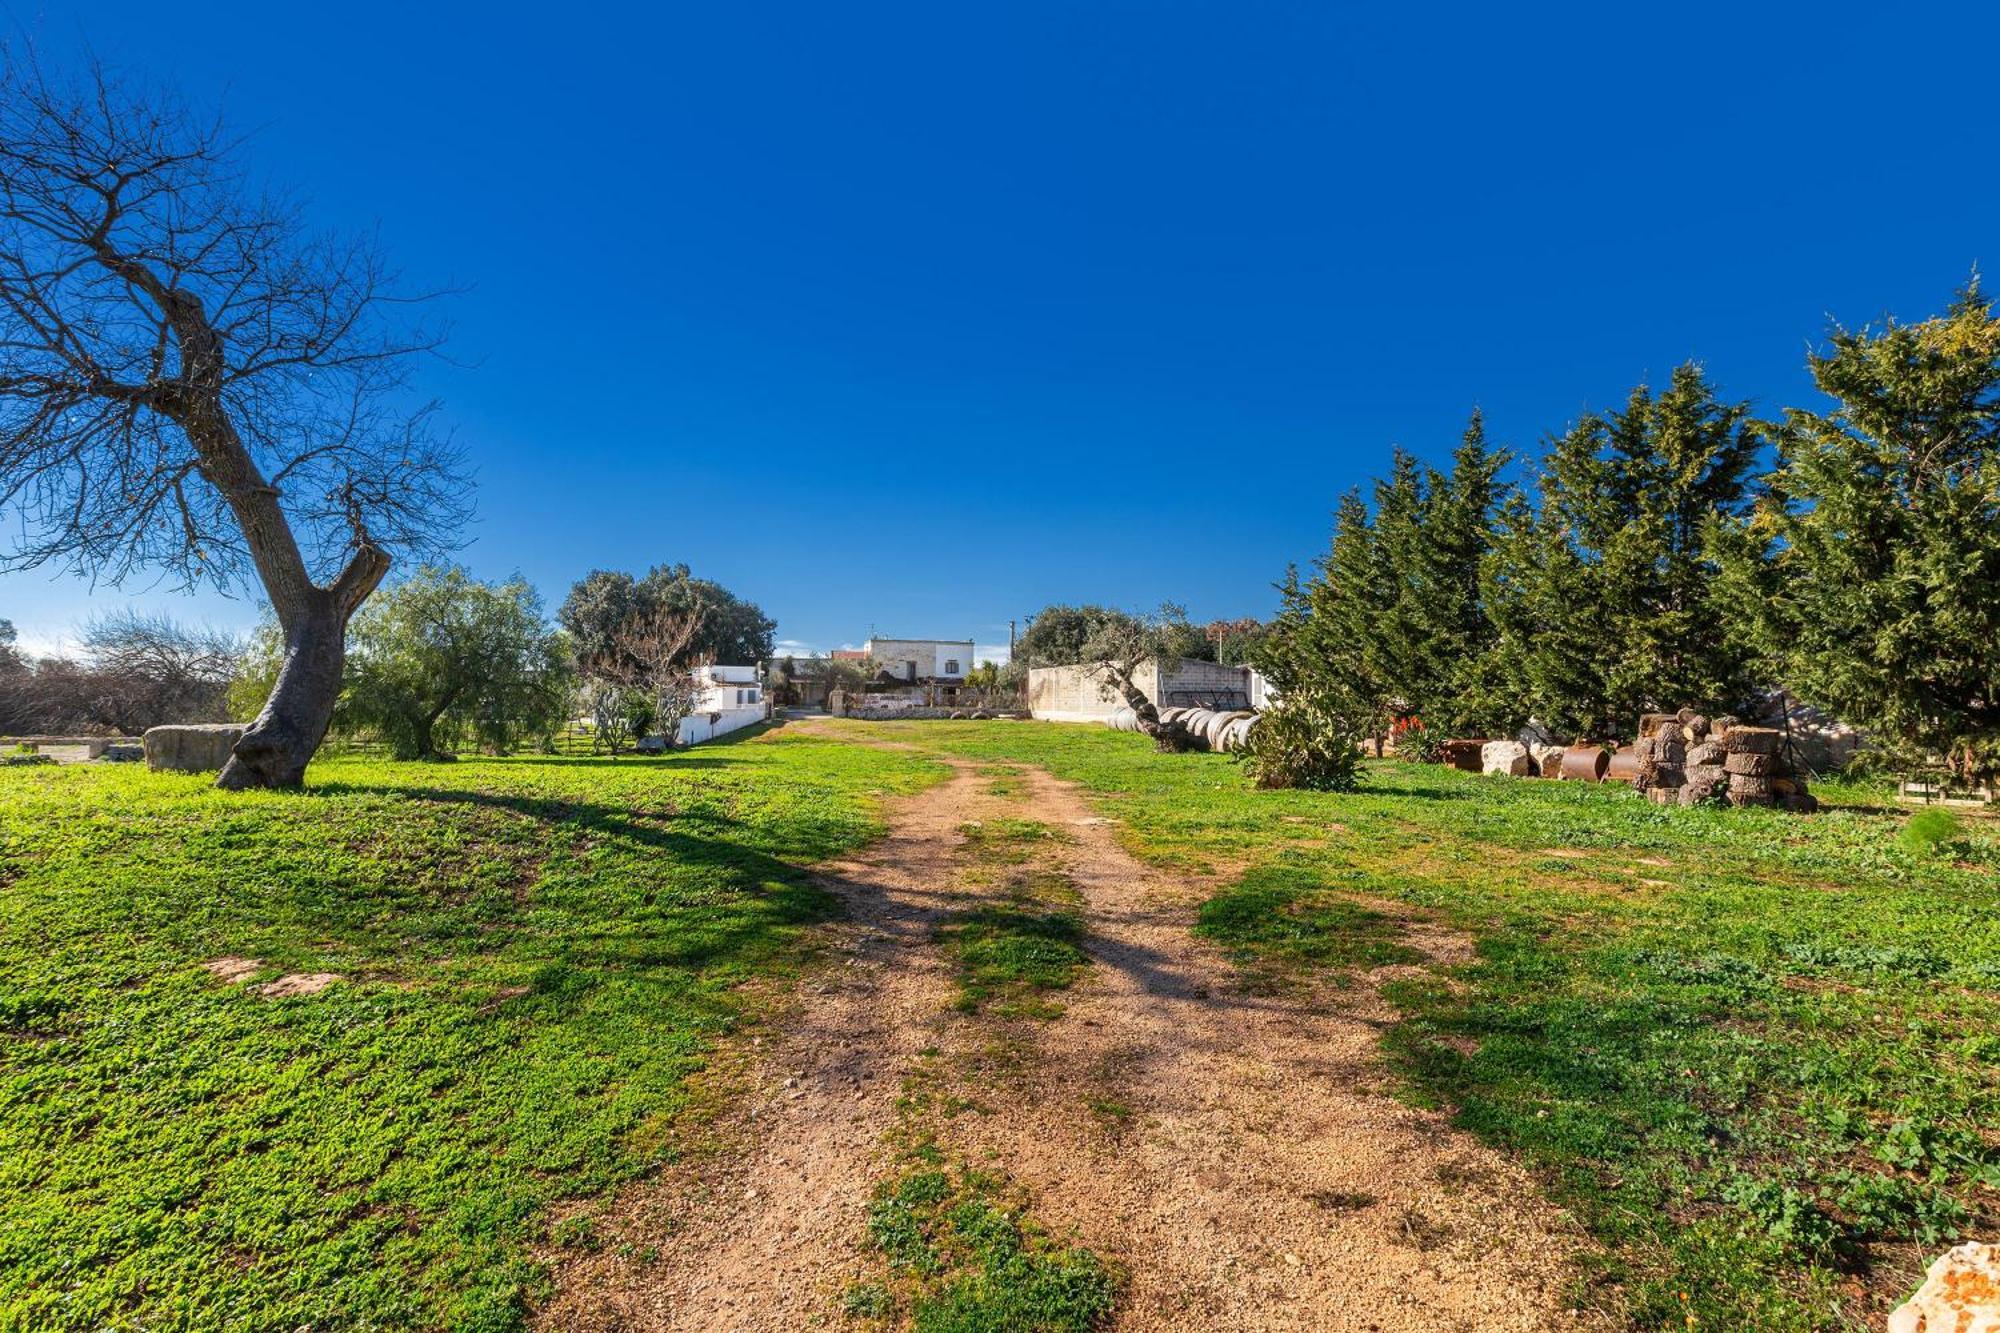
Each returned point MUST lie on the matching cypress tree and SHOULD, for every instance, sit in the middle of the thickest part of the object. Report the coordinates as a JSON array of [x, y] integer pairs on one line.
[[1605, 597], [1872, 569], [1453, 682]]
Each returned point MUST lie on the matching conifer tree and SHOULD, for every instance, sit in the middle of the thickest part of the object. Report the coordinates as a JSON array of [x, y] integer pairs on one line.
[[1872, 569], [1605, 596], [1452, 682], [1397, 646], [1344, 607]]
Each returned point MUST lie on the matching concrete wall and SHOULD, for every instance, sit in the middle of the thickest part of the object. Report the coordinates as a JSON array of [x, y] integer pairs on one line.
[[1263, 693], [1076, 694], [1208, 684]]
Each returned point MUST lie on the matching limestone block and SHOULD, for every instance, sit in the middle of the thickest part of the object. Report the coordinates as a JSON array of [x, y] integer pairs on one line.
[[1548, 759], [1961, 1294], [199, 747], [1508, 757]]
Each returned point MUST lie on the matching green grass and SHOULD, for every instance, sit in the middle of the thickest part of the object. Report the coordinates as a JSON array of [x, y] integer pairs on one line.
[[1008, 958], [973, 1262], [1287, 913], [1012, 952], [537, 954], [1754, 1052]]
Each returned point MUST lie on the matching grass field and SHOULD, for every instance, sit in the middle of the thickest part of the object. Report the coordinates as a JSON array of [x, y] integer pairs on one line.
[[1755, 1053], [1758, 1054], [536, 956]]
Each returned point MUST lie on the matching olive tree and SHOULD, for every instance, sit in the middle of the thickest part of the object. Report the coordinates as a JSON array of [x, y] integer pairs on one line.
[[1120, 644], [443, 648], [195, 383]]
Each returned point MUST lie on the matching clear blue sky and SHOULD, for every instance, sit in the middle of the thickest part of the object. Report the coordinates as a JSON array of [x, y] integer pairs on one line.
[[918, 317]]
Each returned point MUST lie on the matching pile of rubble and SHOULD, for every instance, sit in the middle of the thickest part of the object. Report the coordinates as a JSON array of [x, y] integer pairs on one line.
[[1679, 759], [1687, 759]]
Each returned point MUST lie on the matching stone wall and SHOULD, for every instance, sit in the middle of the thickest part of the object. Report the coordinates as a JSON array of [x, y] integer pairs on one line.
[[1206, 684]]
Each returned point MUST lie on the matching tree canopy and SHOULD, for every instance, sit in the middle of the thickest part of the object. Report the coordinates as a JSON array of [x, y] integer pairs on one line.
[[443, 654], [1603, 594], [1059, 635], [1871, 568], [605, 603]]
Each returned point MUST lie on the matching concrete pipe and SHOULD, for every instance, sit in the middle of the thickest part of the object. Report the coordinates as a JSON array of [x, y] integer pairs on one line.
[[1237, 732], [1218, 733]]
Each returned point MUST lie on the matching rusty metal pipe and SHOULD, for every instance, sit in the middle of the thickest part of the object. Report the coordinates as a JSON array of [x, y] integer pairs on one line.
[[1585, 763]]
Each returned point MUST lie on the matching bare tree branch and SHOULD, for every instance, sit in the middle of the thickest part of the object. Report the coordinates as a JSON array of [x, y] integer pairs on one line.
[[194, 382]]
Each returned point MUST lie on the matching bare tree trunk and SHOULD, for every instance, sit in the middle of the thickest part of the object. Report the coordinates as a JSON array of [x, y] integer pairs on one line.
[[277, 747], [275, 750]]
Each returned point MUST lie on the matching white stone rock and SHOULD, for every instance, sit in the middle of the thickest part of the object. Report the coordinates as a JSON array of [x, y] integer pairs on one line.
[[1961, 1294], [200, 747], [1509, 757]]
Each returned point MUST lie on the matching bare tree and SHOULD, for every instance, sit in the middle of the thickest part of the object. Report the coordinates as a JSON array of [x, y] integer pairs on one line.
[[658, 646], [193, 382], [152, 669], [651, 655]]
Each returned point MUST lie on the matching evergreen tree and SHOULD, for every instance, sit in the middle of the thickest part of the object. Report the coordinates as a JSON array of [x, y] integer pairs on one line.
[[1451, 675], [1393, 618], [1872, 570], [1396, 645], [1604, 597]]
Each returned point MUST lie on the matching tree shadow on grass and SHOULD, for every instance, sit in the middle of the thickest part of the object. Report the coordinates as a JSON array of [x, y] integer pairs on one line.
[[1411, 793], [769, 893], [635, 762]]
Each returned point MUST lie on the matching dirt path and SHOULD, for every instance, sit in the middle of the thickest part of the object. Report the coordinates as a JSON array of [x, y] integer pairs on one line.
[[1234, 1152]]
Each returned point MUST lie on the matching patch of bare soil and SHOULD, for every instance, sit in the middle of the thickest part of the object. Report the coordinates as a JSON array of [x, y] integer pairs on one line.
[[233, 970], [1246, 1113], [766, 1236], [1235, 1153], [294, 984]]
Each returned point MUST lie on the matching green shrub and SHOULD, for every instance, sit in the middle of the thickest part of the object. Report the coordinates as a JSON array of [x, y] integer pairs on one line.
[[1304, 743], [1932, 832]]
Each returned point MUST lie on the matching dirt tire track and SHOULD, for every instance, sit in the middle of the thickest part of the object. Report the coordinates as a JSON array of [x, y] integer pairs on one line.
[[1258, 1177], [1254, 1176], [766, 1236]]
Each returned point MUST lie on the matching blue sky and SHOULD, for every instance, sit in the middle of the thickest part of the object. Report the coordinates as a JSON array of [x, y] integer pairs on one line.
[[918, 317]]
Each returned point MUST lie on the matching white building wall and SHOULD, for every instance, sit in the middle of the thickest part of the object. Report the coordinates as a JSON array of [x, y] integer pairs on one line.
[[727, 698], [944, 659], [699, 727]]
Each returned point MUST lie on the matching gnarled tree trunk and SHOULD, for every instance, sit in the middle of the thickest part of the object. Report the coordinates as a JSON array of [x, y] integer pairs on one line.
[[277, 747], [1168, 737]]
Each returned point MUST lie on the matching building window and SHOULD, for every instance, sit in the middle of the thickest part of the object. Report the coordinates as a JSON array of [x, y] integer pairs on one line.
[[951, 667]]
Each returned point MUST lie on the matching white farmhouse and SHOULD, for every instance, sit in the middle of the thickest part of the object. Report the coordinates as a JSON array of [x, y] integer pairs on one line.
[[727, 698], [914, 661]]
